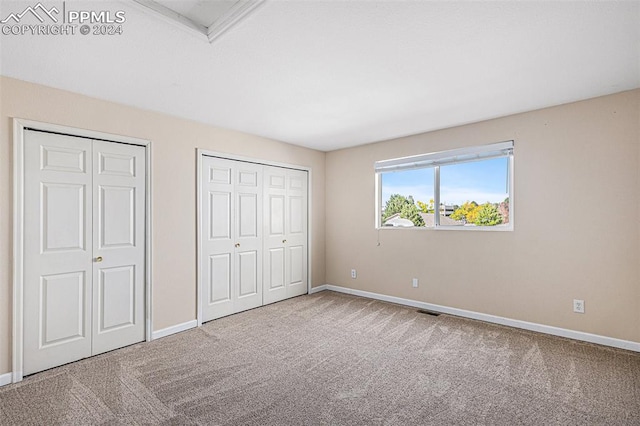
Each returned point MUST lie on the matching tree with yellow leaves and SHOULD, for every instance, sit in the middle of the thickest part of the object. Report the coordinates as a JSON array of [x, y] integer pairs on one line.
[[467, 212]]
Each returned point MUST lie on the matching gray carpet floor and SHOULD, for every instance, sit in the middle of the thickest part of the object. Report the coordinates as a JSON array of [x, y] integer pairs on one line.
[[335, 359]]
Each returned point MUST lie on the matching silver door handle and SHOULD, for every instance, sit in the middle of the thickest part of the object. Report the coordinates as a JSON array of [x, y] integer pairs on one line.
[[99, 259], [237, 245], [284, 241]]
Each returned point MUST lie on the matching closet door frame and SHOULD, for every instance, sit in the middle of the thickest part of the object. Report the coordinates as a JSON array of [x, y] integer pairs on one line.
[[200, 154], [19, 127]]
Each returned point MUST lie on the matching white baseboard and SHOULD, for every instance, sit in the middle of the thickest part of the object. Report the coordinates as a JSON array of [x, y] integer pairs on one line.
[[541, 328], [318, 288], [174, 329], [6, 379]]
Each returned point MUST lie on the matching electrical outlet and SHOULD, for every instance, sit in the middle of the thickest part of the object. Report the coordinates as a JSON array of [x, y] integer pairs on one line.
[[354, 274], [415, 283], [578, 306]]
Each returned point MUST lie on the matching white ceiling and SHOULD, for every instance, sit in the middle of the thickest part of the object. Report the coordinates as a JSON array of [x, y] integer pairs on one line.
[[334, 74]]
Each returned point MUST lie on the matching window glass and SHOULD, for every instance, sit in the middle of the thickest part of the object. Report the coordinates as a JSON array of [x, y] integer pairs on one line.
[[407, 198], [476, 193]]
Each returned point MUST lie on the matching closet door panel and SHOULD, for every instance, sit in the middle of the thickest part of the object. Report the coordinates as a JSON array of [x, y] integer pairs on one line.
[[220, 282], [275, 262], [57, 250], [119, 186], [218, 256], [296, 229], [285, 225], [231, 260], [248, 236], [275, 252]]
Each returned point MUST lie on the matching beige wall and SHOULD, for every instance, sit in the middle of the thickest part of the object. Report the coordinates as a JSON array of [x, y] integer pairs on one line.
[[174, 143], [577, 234]]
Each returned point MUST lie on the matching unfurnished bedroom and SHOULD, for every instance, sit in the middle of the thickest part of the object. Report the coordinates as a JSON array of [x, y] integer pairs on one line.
[[268, 212]]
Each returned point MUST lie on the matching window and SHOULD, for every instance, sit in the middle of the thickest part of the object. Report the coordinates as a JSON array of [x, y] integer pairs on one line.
[[467, 188]]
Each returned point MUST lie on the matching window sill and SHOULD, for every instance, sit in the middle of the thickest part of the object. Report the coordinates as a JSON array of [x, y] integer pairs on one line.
[[449, 228]]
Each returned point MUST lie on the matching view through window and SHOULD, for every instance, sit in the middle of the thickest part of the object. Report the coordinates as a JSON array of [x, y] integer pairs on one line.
[[467, 188]]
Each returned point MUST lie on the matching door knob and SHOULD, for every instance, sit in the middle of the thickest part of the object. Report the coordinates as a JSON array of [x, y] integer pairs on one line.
[[99, 259], [284, 241], [237, 244]]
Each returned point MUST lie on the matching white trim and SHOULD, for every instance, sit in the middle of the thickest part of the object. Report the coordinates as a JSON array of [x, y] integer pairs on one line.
[[318, 289], [19, 126], [309, 233], [175, 329], [203, 152], [6, 379], [148, 222], [173, 17], [540, 328], [459, 155], [199, 228], [75, 131], [229, 156], [378, 210], [512, 181], [237, 13], [436, 197], [232, 17], [496, 228], [18, 234]]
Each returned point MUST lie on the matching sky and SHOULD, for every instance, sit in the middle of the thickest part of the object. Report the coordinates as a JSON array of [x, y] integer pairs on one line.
[[479, 181]]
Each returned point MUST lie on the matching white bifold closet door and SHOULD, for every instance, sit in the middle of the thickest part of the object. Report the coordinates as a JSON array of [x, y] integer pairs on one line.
[[253, 235], [231, 262], [285, 241], [84, 248]]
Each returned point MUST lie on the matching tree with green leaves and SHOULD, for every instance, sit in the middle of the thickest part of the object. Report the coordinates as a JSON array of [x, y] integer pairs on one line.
[[394, 205], [488, 215], [410, 211], [405, 206]]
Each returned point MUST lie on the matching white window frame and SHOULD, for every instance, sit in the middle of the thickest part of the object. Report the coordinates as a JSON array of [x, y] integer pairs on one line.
[[435, 160]]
